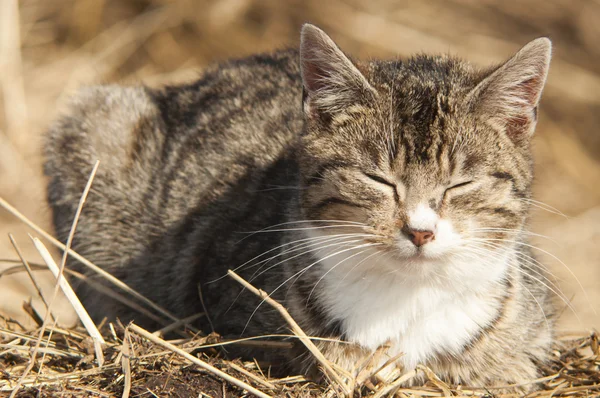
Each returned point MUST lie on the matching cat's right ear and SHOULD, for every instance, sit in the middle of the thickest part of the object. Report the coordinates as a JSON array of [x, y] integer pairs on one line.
[[331, 81], [509, 97]]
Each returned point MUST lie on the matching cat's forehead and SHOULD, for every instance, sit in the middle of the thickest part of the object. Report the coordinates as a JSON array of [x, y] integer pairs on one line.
[[424, 75], [422, 98]]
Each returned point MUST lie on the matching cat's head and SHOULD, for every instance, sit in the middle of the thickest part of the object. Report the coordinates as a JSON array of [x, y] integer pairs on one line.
[[429, 157]]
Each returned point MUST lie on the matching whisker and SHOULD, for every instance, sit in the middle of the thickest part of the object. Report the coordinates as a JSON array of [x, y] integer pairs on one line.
[[358, 264], [482, 251], [300, 273], [257, 273], [530, 265], [558, 293], [280, 188], [304, 228], [555, 258], [311, 221], [306, 244], [538, 304], [303, 253], [533, 262], [268, 229], [331, 269], [542, 206], [540, 307], [515, 231], [317, 238]]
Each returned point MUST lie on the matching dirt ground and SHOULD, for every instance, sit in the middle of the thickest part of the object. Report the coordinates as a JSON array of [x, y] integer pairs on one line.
[[50, 48]]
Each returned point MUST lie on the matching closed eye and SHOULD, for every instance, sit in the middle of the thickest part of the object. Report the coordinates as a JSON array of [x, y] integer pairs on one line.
[[380, 180], [456, 187], [462, 184], [383, 181]]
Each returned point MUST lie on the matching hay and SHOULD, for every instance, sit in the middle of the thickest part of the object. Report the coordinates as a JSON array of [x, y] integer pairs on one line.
[[139, 363]]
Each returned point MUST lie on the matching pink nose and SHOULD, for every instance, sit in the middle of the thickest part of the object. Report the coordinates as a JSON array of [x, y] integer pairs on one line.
[[419, 237]]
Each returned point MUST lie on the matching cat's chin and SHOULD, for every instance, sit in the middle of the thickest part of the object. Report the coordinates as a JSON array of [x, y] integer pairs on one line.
[[423, 254], [413, 262]]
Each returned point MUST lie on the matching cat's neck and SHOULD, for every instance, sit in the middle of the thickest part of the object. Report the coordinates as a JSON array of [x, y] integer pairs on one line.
[[419, 315]]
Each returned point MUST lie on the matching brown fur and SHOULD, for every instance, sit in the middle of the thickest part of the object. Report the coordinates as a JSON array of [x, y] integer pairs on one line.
[[225, 172]]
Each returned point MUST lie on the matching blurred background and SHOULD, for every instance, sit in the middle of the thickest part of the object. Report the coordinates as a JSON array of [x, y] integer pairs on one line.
[[49, 48]]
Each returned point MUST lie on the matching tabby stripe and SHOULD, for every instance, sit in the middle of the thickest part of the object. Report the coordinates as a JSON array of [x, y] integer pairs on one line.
[[489, 329], [335, 201], [502, 175], [503, 210], [439, 153], [317, 176]]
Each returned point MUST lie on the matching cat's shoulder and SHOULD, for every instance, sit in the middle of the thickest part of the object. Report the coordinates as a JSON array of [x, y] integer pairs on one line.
[[99, 123], [106, 107]]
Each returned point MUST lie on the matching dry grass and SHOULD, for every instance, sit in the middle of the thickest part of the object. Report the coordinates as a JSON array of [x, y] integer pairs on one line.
[[139, 363], [48, 48]]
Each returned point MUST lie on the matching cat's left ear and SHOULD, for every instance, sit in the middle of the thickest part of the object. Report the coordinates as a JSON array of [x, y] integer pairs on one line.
[[331, 81], [509, 97]]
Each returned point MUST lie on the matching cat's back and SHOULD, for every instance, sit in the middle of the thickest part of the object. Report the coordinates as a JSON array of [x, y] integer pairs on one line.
[[165, 152], [236, 116]]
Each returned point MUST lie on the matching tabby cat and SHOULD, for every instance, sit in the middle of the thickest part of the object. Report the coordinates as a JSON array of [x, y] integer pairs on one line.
[[384, 203]]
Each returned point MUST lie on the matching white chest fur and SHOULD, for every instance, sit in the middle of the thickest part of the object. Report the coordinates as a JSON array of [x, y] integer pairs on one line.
[[418, 318]]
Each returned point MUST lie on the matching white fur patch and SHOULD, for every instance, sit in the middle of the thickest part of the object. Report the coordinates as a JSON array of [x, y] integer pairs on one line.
[[423, 218], [421, 305]]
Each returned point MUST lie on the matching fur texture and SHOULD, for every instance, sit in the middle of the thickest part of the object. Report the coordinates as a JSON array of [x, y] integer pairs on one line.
[[384, 203]]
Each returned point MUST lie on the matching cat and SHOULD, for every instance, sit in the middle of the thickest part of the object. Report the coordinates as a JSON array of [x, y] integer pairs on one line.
[[383, 203]]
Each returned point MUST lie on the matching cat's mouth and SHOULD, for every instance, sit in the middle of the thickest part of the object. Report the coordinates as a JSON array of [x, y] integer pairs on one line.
[[421, 254], [403, 251]]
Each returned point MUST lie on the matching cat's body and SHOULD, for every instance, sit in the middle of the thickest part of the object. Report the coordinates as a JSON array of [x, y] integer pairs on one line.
[[386, 206], [183, 197]]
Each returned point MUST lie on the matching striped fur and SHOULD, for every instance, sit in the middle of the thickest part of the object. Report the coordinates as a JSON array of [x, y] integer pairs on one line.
[[263, 165]]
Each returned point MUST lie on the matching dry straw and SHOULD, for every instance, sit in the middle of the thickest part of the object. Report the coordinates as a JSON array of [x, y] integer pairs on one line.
[[134, 358], [72, 297], [157, 340], [297, 330]]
